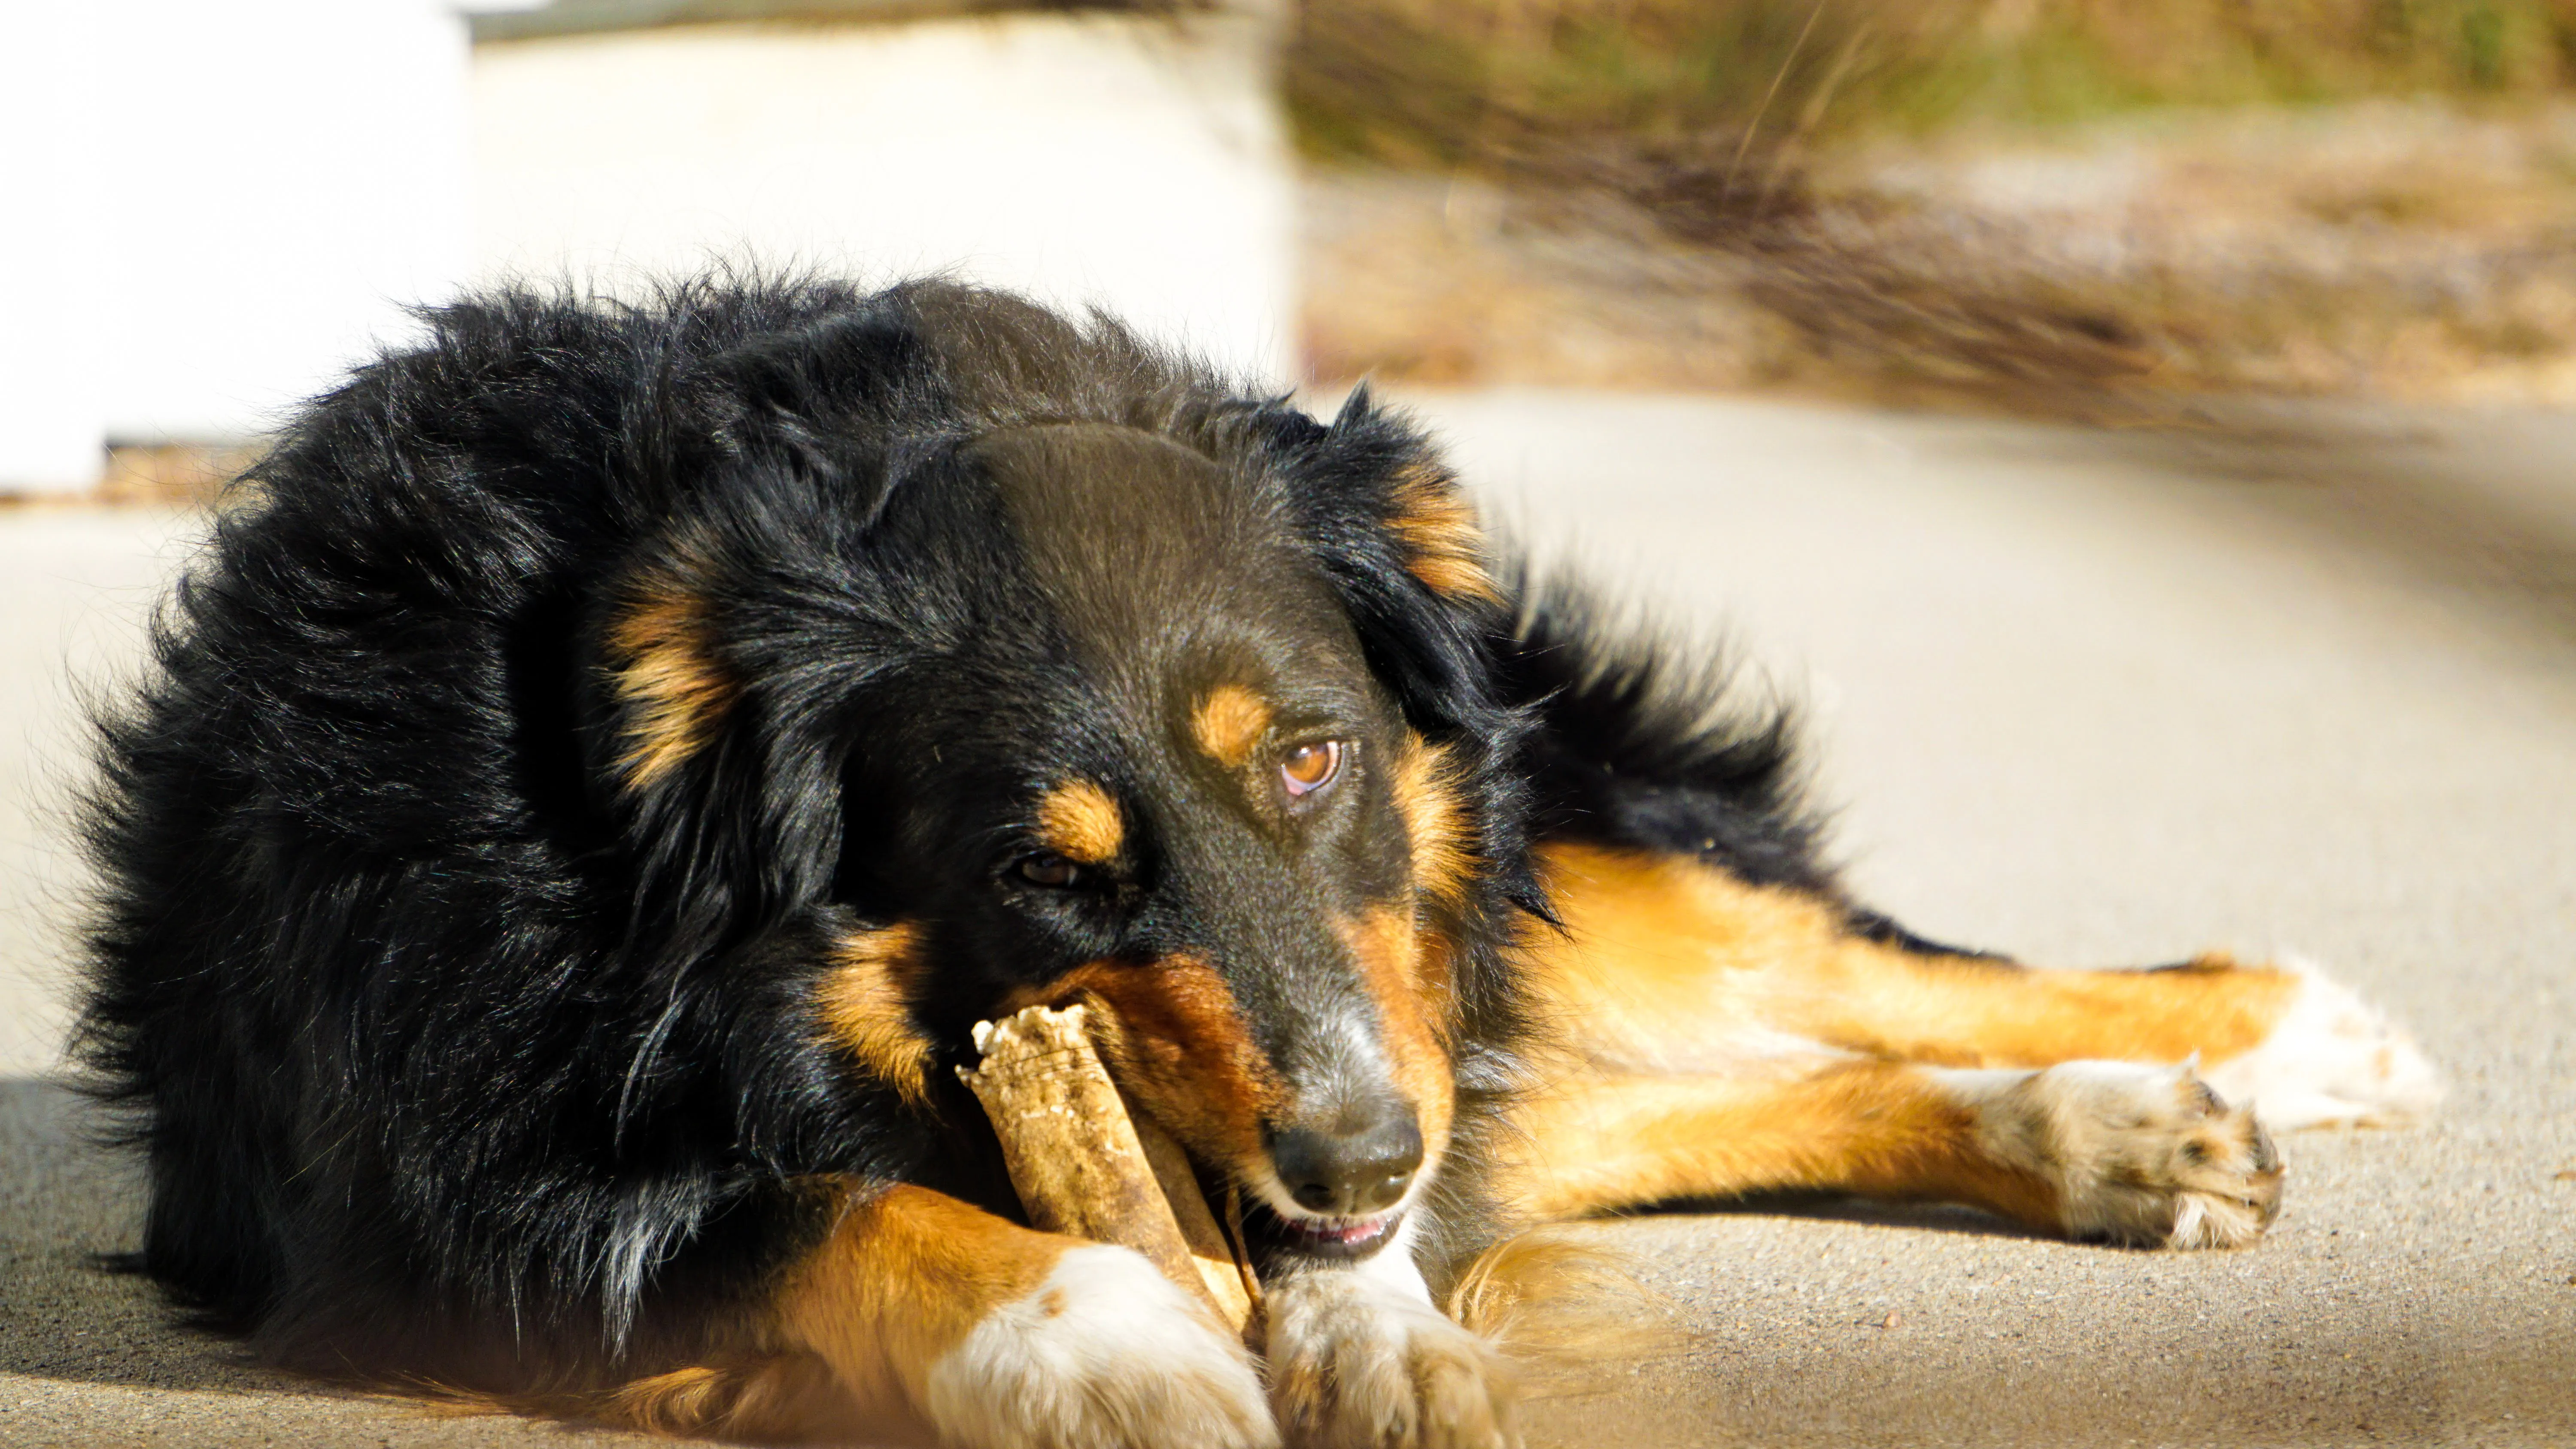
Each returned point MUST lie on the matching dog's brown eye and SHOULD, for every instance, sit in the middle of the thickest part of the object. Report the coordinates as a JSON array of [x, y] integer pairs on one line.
[[1310, 768], [1049, 870]]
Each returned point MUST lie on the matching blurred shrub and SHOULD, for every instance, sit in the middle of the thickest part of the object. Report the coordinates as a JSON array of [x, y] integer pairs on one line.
[[1485, 83]]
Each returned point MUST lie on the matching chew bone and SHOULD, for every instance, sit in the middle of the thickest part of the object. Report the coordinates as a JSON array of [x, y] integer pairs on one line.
[[1084, 1166]]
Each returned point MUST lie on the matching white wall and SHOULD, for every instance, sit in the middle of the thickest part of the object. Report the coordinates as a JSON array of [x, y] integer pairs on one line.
[[211, 208], [278, 178], [1084, 158], [51, 409]]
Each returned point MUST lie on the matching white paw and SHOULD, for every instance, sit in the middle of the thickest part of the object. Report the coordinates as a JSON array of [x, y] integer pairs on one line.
[[1106, 1354], [2148, 1156], [2331, 1059], [1359, 1363]]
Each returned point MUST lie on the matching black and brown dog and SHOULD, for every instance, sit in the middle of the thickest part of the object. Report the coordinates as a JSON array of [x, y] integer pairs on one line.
[[610, 757]]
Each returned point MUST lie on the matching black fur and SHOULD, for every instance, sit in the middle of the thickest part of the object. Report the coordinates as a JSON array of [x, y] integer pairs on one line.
[[423, 1018]]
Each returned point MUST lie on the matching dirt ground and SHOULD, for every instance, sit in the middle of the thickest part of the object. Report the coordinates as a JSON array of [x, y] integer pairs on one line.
[[2087, 697]]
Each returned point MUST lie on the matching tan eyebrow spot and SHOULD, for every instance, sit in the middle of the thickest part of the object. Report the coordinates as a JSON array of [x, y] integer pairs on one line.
[[865, 1003], [1229, 723], [675, 689], [1079, 821]]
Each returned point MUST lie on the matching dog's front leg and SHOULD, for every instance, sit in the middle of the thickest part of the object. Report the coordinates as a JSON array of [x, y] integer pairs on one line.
[[1004, 1338], [1359, 1356]]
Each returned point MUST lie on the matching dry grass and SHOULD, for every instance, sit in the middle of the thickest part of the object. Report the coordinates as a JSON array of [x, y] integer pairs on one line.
[[2037, 202], [1497, 84], [1461, 282], [2394, 250]]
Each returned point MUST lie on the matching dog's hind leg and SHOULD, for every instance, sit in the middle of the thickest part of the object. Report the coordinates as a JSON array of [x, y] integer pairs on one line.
[[2111, 1150], [1667, 965]]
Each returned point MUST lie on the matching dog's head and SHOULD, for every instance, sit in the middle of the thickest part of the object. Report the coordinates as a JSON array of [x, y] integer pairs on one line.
[[1188, 720]]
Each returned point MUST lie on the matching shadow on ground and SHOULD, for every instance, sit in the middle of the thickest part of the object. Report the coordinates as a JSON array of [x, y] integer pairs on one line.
[[65, 1206]]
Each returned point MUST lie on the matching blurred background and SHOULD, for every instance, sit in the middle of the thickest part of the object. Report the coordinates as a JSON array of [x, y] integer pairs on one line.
[[2071, 206], [2138, 431], [2008, 201], [2086, 207]]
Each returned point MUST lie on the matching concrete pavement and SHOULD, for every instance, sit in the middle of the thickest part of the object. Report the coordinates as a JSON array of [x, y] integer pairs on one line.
[[2088, 698]]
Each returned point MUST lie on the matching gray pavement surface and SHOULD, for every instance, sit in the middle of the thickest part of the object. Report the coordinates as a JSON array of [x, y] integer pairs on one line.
[[2088, 698]]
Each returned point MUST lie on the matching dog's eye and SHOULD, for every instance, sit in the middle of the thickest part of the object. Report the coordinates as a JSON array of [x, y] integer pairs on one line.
[[1050, 870], [1310, 768]]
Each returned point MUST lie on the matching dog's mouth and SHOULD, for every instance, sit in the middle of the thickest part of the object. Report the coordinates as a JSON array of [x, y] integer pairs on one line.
[[1320, 1237]]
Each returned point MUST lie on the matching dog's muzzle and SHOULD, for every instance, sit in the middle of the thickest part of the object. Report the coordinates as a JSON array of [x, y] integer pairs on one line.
[[1350, 1173]]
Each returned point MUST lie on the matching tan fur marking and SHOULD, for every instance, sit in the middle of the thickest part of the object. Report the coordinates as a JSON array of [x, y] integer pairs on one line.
[[1568, 1311], [866, 1003], [1435, 978], [761, 1398], [1437, 525], [1177, 1044], [1877, 1128], [1660, 950], [1229, 724], [844, 1346], [901, 1281], [1394, 968], [676, 691], [1435, 820], [1080, 822]]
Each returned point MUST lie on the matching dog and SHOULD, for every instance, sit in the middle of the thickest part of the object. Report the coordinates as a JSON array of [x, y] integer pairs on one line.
[[610, 756]]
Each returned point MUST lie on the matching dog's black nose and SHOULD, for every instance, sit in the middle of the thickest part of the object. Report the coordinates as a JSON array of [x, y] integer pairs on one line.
[[1349, 1173]]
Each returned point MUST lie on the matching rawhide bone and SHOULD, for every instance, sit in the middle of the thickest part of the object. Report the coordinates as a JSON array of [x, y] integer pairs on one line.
[[1085, 1166]]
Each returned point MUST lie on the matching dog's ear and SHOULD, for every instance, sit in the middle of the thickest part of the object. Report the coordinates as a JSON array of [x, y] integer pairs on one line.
[[727, 644], [711, 740], [1399, 540]]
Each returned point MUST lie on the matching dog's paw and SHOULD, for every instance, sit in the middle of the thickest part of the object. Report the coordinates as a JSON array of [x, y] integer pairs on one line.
[[1106, 1354], [2147, 1156], [1357, 1364], [2330, 1059]]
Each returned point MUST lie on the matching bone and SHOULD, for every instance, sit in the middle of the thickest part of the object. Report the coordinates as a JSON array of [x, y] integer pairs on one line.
[[1085, 1166]]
